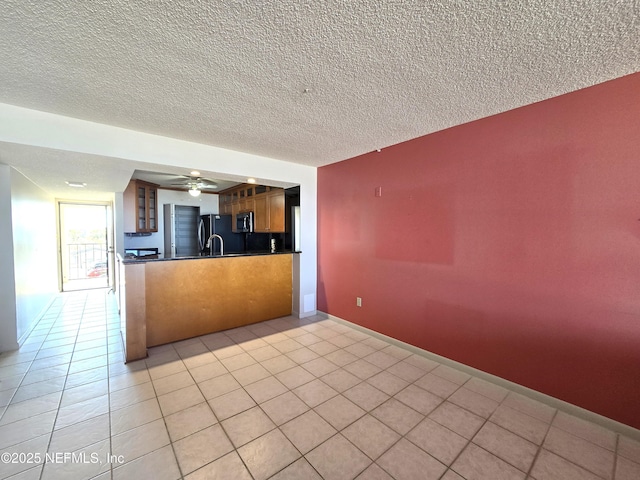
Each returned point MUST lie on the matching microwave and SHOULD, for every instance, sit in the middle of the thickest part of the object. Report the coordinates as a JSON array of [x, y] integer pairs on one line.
[[244, 222]]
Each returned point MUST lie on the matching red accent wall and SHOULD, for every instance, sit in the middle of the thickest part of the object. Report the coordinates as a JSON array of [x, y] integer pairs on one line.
[[510, 244]]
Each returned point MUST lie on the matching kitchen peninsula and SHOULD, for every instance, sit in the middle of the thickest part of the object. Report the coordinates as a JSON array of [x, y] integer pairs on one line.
[[165, 300]]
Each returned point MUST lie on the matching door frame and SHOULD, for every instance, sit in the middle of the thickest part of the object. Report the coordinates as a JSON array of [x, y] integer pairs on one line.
[[111, 266]]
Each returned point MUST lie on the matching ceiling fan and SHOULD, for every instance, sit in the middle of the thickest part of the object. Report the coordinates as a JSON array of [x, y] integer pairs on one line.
[[195, 185]]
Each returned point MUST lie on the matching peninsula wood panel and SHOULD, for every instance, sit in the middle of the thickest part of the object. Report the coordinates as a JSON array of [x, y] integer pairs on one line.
[[187, 298]]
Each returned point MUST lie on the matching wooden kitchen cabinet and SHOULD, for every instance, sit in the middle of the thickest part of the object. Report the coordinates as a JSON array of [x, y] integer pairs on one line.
[[269, 211], [266, 202], [140, 207]]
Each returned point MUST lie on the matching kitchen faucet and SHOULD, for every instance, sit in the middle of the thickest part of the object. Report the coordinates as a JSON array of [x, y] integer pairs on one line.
[[221, 243]]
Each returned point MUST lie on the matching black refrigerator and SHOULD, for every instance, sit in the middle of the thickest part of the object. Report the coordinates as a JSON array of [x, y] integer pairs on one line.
[[221, 225]]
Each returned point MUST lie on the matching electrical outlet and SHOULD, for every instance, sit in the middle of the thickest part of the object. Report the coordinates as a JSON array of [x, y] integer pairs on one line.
[[358, 302], [378, 191]]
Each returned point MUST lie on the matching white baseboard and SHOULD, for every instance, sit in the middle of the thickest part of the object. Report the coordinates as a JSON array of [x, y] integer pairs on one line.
[[560, 405]]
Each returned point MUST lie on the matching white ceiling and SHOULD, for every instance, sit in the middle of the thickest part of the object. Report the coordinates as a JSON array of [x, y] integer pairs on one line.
[[312, 82]]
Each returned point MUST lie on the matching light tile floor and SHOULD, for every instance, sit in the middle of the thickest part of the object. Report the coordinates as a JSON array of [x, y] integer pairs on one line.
[[283, 399]]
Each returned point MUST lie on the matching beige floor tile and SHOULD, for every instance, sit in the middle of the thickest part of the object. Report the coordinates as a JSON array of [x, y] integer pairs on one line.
[[340, 380], [201, 448], [236, 362], [160, 464], [84, 392], [457, 419], [341, 357], [529, 407], [451, 475], [451, 374], [87, 376], [337, 459], [286, 345], [521, 424], [418, 399], [88, 364], [315, 392], [549, 466], [474, 463], [626, 469], [362, 369], [127, 380], [406, 371], [250, 374], [79, 435], [399, 352], [83, 469], [319, 367], [381, 359], [406, 461], [371, 436], [264, 353], [229, 467], [366, 396], [437, 385], [283, 408], [141, 440], [268, 454], [474, 402], [247, 426], [33, 390], [387, 383], [308, 339], [323, 348], [134, 415], [231, 404], [26, 429], [374, 472], [487, 389], [589, 456], [180, 399], [438, 441], [208, 371], [510, 447], [278, 364], [360, 349], [131, 395], [199, 360], [294, 377], [173, 382], [629, 448], [218, 386], [397, 415], [34, 376], [307, 431], [265, 389], [31, 407], [190, 420], [588, 431], [339, 412], [167, 368], [300, 469]]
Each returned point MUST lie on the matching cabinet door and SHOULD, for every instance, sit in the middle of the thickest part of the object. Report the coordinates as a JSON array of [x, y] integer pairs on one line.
[[141, 208], [235, 209], [276, 211], [152, 209], [261, 213]]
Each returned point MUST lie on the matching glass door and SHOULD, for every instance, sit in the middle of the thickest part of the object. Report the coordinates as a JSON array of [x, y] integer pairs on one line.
[[83, 246]]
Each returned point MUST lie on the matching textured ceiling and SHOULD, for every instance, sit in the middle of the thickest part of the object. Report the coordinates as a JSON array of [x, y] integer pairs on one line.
[[313, 82]]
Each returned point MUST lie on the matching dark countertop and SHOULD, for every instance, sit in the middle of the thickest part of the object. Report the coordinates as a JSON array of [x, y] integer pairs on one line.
[[199, 257]]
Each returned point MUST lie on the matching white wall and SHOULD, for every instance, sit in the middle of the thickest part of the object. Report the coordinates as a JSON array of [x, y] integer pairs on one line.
[[8, 326], [208, 203], [28, 258]]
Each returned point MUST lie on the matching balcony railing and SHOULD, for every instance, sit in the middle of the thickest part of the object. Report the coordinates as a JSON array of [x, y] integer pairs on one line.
[[86, 260]]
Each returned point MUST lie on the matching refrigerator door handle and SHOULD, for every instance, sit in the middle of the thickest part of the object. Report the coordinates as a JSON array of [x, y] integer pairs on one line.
[[200, 231]]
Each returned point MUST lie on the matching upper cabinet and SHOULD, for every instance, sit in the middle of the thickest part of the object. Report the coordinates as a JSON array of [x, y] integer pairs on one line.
[[267, 203], [140, 207]]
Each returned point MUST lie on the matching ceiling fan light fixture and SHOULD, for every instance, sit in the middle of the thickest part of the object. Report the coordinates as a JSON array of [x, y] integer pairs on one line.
[[194, 191]]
